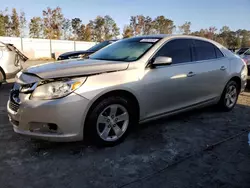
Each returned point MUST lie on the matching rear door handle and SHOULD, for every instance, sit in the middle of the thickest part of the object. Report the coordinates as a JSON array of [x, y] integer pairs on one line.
[[223, 68], [191, 74]]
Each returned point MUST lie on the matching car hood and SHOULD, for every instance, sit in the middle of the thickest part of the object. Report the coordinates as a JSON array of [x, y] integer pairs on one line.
[[76, 52], [73, 68]]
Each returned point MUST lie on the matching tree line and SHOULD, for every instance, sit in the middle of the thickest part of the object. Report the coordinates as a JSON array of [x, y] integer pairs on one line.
[[53, 25]]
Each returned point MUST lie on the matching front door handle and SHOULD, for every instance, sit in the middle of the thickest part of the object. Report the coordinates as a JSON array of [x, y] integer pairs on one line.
[[191, 74], [223, 68]]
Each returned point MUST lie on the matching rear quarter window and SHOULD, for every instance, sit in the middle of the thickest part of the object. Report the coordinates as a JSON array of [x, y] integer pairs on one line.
[[219, 54]]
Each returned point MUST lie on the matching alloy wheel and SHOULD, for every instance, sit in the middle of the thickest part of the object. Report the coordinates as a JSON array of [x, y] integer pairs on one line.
[[112, 122], [231, 96]]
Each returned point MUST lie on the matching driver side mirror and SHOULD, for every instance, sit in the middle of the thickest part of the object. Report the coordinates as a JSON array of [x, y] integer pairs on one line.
[[162, 60]]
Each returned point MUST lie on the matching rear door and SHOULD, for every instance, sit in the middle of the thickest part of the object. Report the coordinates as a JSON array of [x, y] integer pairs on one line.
[[211, 70]]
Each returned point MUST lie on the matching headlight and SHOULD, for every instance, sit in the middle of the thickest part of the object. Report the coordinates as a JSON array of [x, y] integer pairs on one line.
[[57, 89]]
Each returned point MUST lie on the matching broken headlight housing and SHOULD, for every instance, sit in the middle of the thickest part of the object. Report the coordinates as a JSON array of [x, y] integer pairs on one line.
[[57, 89]]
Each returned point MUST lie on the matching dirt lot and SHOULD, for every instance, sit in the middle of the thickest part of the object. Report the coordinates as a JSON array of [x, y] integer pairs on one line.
[[202, 148]]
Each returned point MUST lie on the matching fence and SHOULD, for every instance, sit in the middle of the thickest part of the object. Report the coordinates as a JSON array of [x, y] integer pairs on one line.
[[43, 48]]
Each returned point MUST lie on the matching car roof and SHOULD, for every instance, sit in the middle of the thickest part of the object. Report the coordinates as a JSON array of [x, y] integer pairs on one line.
[[166, 36], [160, 36], [171, 36], [176, 36]]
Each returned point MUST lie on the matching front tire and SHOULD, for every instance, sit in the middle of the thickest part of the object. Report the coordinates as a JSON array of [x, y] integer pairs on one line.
[[229, 96], [110, 121]]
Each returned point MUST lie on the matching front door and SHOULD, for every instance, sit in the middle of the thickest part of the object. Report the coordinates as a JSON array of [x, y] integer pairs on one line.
[[170, 87]]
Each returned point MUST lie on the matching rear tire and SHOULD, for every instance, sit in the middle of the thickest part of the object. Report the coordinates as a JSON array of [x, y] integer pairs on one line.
[[229, 96], [110, 121]]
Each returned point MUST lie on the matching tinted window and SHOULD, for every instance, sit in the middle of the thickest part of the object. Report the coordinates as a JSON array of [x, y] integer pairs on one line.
[[219, 54], [242, 50], [204, 50], [179, 50], [247, 52]]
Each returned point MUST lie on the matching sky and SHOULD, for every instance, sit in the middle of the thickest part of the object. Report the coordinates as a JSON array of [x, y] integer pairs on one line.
[[201, 13]]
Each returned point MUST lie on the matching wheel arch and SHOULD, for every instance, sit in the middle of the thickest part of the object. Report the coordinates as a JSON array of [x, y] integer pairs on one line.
[[121, 93], [237, 80], [4, 75]]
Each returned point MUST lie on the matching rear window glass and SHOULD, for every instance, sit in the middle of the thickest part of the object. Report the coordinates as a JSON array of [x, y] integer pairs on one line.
[[204, 50]]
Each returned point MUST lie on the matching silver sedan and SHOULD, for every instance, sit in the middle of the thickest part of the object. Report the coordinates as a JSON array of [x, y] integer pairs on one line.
[[133, 80]]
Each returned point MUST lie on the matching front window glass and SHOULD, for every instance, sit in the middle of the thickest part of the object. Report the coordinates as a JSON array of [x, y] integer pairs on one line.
[[125, 50], [179, 50]]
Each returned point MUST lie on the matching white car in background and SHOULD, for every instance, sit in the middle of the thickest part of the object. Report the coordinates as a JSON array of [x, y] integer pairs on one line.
[[11, 60]]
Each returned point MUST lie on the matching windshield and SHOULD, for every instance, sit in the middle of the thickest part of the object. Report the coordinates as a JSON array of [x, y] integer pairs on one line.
[[242, 50], [99, 46], [125, 50]]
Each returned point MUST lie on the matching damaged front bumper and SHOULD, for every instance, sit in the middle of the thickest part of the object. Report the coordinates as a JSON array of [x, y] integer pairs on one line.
[[54, 120]]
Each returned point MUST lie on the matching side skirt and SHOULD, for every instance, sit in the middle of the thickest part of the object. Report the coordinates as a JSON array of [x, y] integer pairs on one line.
[[191, 107]]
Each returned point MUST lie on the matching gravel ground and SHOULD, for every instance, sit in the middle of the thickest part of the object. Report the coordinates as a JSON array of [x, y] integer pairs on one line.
[[202, 148]]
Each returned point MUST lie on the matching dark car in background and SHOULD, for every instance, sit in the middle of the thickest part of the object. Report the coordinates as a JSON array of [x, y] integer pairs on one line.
[[82, 54], [242, 51], [246, 57]]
